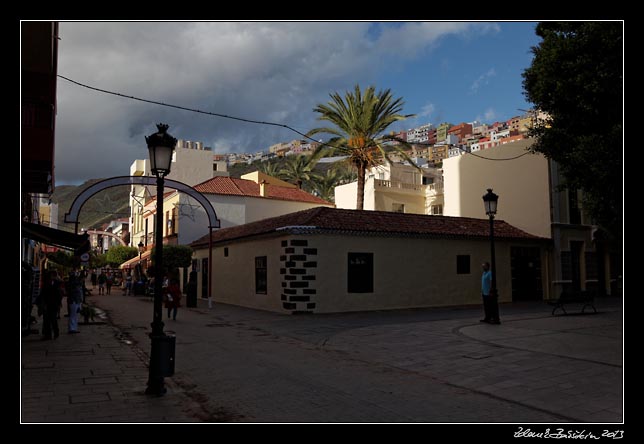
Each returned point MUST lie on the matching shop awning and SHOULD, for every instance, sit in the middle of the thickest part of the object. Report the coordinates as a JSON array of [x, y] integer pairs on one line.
[[79, 243], [131, 263]]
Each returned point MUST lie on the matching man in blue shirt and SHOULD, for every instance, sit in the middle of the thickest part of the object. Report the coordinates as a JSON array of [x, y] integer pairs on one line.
[[490, 306]]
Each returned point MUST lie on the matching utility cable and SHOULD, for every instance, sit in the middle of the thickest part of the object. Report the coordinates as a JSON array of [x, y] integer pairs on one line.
[[241, 119]]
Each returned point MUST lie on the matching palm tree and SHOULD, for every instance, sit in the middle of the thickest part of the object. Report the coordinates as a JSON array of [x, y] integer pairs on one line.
[[360, 119], [271, 168], [299, 168], [324, 186], [346, 172]]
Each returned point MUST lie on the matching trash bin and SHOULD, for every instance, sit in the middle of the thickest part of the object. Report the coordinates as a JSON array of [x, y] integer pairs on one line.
[[162, 359], [139, 288]]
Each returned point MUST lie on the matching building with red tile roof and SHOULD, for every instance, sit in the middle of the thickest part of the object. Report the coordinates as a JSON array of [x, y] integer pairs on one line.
[[231, 186], [236, 202], [326, 260]]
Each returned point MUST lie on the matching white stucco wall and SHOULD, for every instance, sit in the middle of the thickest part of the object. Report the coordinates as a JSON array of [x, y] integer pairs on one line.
[[232, 211], [233, 279], [521, 184], [260, 208], [191, 166], [345, 195], [414, 202], [407, 273]]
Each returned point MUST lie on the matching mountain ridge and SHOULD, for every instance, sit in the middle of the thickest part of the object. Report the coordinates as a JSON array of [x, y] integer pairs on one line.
[[101, 208]]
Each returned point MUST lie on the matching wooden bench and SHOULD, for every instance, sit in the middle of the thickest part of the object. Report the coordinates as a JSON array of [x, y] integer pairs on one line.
[[568, 297]]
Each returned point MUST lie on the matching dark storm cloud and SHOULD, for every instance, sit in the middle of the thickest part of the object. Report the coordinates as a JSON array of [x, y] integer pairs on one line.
[[265, 71]]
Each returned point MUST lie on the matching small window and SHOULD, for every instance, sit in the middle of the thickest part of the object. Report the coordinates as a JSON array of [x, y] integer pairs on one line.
[[225, 251], [463, 264], [360, 273], [398, 208], [260, 275]]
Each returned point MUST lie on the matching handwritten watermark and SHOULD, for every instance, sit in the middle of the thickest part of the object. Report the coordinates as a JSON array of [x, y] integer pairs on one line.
[[561, 433]]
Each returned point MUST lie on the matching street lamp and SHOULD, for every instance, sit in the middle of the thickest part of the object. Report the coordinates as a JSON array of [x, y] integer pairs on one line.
[[490, 201], [141, 250], [160, 147]]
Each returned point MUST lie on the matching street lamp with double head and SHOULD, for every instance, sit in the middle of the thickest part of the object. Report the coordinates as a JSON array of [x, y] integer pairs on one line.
[[160, 147]]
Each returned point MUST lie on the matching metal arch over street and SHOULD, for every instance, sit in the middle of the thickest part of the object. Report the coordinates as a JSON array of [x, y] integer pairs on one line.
[[72, 215], [106, 233]]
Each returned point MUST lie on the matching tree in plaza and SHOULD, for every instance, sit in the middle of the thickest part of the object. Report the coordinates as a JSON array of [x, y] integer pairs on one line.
[[576, 78], [360, 119], [174, 257], [118, 254], [63, 261]]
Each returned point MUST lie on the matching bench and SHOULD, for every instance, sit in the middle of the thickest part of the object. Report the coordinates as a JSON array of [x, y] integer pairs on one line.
[[569, 297]]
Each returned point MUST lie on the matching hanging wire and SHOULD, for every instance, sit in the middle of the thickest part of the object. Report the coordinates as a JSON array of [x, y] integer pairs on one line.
[[241, 119]]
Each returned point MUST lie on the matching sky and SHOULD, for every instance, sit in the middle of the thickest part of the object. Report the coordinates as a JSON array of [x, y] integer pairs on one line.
[[269, 71]]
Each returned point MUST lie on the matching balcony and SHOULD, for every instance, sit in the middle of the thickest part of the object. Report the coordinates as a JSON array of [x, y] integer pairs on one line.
[[394, 185], [434, 189]]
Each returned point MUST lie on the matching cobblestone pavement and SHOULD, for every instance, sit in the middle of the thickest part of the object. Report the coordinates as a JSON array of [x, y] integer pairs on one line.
[[240, 365]]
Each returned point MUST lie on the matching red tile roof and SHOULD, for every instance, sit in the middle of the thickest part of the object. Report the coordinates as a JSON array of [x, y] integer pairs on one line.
[[322, 219], [242, 187]]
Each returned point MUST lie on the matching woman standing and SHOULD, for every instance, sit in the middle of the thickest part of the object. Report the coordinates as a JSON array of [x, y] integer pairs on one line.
[[173, 298], [50, 298]]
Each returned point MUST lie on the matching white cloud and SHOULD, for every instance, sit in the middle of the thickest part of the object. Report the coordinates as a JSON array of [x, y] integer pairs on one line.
[[483, 79], [263, 71], [410, 38], [426, 110], [489, 116]]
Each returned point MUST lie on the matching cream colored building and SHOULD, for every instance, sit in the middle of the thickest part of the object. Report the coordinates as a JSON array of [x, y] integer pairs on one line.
[[191, 164], [530, 198], [521, 184], [396, 187], [254, 197], [327, 260]]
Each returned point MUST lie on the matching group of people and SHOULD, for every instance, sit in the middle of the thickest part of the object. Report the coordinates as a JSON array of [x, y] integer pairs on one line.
[[50, 300], [104, 281], [54, 289]]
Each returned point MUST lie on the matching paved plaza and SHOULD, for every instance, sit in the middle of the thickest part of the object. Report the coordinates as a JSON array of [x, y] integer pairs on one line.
[[406, 366]]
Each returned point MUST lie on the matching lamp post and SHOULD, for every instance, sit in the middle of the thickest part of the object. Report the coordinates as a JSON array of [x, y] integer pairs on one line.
[[141, 249], [490, 201], [160, 147]]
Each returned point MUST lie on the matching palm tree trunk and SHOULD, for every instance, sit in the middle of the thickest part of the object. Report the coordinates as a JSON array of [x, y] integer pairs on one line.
[[361, 176]]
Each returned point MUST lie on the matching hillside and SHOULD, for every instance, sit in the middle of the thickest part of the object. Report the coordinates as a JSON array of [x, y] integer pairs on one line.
[[103, 207]]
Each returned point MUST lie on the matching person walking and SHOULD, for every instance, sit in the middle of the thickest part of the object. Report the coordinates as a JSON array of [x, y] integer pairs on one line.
[[50, 299], [94, 278], [109, 280], [74, 299], [490, 305], [128, 283], [173, 298], [101, 282]]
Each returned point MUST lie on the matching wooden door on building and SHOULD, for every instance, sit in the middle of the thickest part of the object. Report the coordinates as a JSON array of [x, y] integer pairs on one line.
[[204, 278], [525, 263]]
